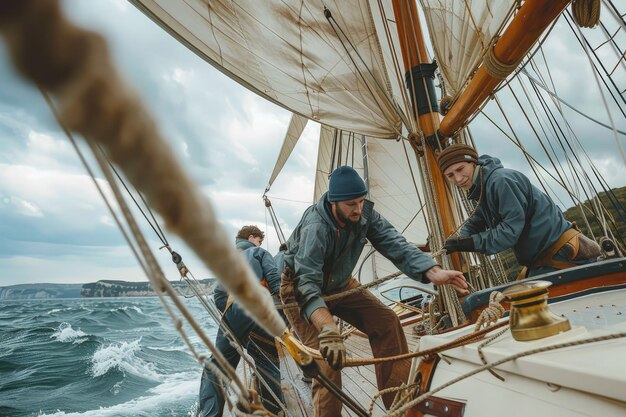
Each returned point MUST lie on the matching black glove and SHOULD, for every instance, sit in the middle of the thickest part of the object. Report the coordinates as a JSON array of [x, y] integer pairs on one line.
[[331, 346], [459, 244]]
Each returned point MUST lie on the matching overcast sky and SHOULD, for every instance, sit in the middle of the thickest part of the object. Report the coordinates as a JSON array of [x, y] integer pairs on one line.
[[54, 226]]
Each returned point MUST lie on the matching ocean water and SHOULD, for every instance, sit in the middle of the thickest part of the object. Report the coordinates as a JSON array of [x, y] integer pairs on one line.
[[96, 357]]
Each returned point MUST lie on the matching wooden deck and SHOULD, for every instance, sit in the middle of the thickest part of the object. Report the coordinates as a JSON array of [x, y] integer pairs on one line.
[[358, 382]]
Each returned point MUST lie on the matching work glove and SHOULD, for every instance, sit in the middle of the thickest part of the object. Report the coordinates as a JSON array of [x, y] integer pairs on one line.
[[332, 348], [459, 244]]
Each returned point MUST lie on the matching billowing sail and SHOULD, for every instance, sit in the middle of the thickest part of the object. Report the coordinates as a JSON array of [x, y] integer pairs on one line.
[[460, 32], [328, 70]]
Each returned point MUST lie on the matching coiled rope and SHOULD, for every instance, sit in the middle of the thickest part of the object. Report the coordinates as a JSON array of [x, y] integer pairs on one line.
[[586, 12]]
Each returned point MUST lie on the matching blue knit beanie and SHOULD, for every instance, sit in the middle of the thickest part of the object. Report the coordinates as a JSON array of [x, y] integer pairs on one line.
[[345, 184]]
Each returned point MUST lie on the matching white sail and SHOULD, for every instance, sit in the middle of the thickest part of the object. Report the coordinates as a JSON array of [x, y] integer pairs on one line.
[[460, 32], [294, 130], [289, 53]]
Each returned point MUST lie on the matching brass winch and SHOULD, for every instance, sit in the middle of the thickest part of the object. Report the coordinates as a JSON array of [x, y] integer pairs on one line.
[[531, 318]]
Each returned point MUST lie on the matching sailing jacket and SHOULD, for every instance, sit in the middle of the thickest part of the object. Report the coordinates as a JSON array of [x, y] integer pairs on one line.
[[512, 213], [261, 262], [323, 255]]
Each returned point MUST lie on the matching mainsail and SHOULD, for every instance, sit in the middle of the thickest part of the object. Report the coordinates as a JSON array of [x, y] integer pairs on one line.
[[288, 53]]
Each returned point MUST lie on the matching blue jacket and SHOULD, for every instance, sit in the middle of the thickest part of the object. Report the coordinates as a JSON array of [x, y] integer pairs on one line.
[[323, 255], [512, 213], [261, 262]]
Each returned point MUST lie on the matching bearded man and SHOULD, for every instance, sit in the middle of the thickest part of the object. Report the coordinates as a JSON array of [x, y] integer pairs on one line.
[[321, 254]]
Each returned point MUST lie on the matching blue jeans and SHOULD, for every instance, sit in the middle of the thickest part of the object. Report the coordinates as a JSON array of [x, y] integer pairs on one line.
[[211, 400]]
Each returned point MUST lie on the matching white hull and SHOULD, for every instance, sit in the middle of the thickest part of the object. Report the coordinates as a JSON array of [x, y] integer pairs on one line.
[[584, 380]]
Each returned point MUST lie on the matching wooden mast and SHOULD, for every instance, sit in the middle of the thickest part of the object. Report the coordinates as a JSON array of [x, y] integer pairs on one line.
[[420, 80], [528, 24]]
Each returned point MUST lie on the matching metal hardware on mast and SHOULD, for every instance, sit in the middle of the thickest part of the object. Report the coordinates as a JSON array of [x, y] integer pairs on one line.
[[420, 81], [526, 27]]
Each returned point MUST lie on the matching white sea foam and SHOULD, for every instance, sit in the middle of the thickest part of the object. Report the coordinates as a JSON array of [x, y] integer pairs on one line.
[[66, 334], [182, 387], [122, 356], [181, 348], [126, 308]]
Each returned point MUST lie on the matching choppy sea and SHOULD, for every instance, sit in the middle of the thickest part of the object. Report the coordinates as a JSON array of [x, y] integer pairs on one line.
[[96, 357]]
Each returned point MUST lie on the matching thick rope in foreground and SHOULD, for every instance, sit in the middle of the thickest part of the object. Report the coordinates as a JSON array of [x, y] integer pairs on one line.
[[75, 66], [400, 412]]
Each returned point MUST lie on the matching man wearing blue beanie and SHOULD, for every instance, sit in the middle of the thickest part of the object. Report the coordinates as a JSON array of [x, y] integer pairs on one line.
[[321, 254]]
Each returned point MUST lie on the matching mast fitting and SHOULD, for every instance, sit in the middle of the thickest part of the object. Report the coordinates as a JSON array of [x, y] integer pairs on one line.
[[420, 81]]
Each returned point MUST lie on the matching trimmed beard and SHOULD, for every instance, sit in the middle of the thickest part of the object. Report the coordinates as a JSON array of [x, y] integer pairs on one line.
[[345, 220]]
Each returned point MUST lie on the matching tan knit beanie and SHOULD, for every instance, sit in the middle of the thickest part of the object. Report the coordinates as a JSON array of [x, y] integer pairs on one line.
[[459, 152]]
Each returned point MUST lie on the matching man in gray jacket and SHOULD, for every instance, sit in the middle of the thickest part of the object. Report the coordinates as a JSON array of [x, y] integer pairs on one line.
[[322, 252], [512, 213], [259, 345]]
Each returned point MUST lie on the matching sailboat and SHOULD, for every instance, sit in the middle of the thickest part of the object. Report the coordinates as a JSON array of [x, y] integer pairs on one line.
[[362, 70]]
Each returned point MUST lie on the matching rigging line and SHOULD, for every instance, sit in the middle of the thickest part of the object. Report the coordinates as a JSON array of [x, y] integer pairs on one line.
[[157, 278], [216, 315], [554, 122], [557, 105], [160, 235], [608, 110], [576, 198], [616, 14], [89, 170], [392, 103], [290, 200], [547, 138], [577, 32], [352, 140], [574, 172], [598, 176], [528, 58], [598, 60], [534, 131], [334, 149], [150, 268], [159, 281], [417, 193], [529, 155], [620, 54], [390, 100]]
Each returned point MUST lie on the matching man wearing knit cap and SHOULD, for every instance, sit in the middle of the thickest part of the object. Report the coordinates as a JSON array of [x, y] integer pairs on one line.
[[321, 254], [512, 213]]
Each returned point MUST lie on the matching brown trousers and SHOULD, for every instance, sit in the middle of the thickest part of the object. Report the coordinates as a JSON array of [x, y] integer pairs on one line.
[[372, 317]]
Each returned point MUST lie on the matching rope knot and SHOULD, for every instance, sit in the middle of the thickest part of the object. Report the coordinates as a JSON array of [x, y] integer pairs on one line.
[[492, 313]]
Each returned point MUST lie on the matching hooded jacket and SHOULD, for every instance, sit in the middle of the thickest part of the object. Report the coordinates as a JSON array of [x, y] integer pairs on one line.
[[322, 255], [511, 213], [261, 262]]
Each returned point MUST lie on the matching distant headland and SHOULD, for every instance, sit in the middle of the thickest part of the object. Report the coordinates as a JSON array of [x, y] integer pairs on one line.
[[103, 288]]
